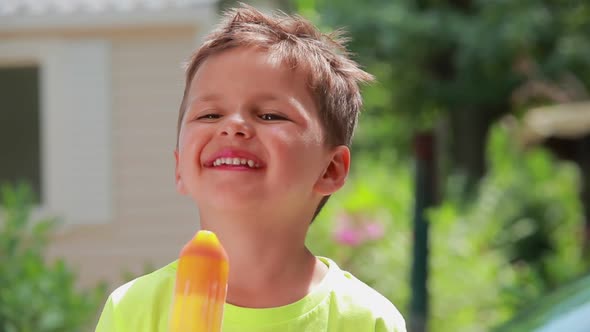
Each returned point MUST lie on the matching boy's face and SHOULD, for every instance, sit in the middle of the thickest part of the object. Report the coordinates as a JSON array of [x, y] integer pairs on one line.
[[251, 138]]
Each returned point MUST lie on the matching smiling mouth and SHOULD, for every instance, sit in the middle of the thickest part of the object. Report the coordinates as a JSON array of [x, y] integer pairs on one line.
[[235, 162]]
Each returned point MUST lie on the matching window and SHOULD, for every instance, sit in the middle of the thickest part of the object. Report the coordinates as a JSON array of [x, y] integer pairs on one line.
[[20, 159], [62, 127]]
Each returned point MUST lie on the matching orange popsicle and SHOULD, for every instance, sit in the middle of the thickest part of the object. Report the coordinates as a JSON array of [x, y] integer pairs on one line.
[[201, 285]]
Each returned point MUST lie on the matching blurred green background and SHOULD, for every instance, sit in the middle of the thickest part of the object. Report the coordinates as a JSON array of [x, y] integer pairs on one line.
[[468, 205]]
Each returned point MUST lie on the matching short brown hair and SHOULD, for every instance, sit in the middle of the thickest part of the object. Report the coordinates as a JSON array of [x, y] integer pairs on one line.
[[332, 76]]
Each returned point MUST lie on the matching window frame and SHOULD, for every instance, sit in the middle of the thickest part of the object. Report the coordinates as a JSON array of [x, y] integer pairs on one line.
[[74, 114]]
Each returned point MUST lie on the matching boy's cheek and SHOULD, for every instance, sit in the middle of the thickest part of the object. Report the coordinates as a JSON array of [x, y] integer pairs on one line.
[[185, 134], [178, 180], [180, 187]]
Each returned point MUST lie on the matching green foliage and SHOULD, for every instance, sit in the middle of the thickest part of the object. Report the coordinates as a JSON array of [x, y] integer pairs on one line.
[[517, 239], [36, 296], [523, 224], [545, 229], [433, 58], [491, 255]]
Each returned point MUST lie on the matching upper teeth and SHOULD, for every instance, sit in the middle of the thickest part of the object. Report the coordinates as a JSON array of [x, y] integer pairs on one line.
[[235, 161]]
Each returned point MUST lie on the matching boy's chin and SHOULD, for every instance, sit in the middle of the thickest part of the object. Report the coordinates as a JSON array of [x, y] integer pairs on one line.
[[232, 202]]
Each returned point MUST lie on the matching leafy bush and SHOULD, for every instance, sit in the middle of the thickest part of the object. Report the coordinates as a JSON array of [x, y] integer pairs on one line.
[[37, 296], [539, 207], [490, 255], [516, 240]]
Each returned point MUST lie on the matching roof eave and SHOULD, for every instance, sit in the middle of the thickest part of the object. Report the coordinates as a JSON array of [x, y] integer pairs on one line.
[[166, 17]]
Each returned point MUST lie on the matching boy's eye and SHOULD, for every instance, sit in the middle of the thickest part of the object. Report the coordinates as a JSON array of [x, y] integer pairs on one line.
[[272, 117], [211, 116]]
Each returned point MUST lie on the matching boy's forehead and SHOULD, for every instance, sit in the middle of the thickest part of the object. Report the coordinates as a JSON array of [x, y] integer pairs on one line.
[[256, 66], [260, 57]]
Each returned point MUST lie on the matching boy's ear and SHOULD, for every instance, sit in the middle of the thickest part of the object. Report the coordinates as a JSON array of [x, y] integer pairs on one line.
[[177, 178], [334, 176]]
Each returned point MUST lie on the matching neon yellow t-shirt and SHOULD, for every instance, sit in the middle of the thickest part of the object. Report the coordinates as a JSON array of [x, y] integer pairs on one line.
[[340, 303]]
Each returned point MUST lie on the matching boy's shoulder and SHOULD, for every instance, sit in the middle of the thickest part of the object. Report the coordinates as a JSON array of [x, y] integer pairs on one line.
[[154, 285], [140, 304], [355, 297]]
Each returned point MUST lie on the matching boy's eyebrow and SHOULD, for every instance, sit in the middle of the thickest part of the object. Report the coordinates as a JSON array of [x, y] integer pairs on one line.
[[208, 97], [269, 96], [265, 96]]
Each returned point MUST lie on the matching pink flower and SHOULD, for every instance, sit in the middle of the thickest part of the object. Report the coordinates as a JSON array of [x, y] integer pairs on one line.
[[348, 236], [374, 230], [345, 220], [353, 230]]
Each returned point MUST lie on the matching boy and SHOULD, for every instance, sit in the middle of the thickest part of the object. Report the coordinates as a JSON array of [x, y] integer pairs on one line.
[[267, 116]]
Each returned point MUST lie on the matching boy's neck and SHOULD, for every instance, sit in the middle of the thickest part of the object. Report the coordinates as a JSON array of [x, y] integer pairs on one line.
[[269, 266]]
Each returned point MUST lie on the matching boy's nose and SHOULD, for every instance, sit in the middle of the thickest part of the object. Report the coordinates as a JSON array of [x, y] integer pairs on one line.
[[236, 127]]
